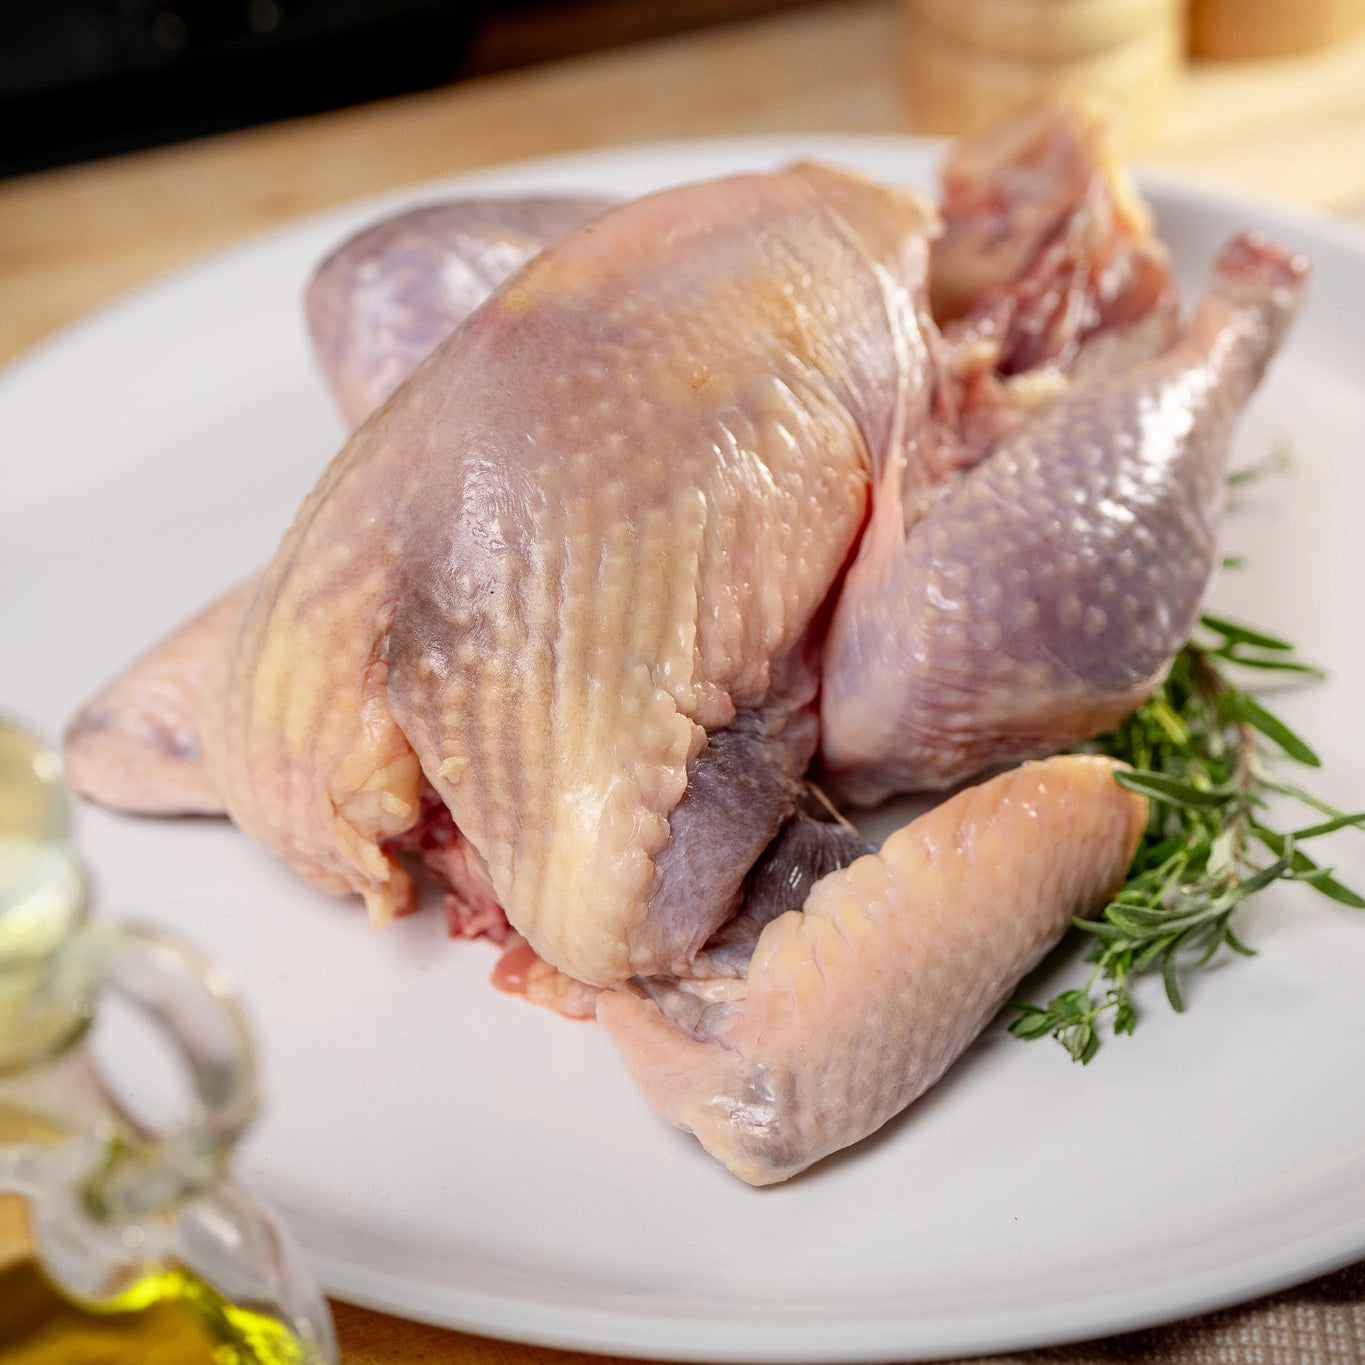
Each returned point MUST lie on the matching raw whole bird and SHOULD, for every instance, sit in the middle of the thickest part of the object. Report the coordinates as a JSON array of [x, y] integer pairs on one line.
[[589, 604], [597, 583]]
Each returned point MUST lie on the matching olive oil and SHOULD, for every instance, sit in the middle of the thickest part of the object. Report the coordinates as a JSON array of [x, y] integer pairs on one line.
[[39, 1327], [92, 1170], [170, 1317]]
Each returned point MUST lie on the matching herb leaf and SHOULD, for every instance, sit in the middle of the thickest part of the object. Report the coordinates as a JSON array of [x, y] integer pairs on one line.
[[1197, 749], [1234, 634], [1241, 706]]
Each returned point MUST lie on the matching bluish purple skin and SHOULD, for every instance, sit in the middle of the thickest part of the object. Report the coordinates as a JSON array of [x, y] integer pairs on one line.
[[1045, 593], [387, 297]]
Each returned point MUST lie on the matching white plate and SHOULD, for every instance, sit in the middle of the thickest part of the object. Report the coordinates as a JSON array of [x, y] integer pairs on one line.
[[450, 1154]]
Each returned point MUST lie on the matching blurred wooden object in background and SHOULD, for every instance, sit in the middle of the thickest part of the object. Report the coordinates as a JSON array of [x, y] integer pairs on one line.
[[1270, 28], [14, 1245], [513, 33], [965, 64]]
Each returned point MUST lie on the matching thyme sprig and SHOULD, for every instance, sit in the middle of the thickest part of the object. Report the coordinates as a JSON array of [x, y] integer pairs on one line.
[[1206, 754]]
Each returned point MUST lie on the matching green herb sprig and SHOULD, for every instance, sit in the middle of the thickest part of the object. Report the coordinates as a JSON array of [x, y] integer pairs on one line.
[[1204, 752]]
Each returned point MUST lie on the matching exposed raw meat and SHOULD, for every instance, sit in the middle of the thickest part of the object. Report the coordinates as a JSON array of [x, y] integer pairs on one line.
[[471, 909], [522, 971], [857, 1004], [1047, 256]]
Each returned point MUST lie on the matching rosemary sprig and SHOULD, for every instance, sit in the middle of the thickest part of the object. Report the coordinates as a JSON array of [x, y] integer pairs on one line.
[[1204, 752]]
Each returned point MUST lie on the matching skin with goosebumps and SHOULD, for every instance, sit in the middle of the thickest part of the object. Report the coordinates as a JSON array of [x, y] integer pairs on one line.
[[383, 301], [1045, 261], [894, 965], [568, 584], [701, 492], [375, 307], [1045, 258], [1045, 593]]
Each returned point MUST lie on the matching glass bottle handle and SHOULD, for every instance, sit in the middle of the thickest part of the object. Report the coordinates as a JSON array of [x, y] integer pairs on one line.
[[122, 1215], [196, 1006], [127, 1213]]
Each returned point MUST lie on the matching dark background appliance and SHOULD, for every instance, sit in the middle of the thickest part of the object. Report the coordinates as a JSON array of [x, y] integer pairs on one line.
[[88, 78]]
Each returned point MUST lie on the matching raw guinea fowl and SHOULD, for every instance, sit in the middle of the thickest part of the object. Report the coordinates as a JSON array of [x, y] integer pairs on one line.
[[578, 585], [586, 601], [593, 607]]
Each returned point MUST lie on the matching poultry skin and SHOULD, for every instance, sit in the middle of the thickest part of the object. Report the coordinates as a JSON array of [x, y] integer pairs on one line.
[[701, 493], [380, 303], [1045, 268]]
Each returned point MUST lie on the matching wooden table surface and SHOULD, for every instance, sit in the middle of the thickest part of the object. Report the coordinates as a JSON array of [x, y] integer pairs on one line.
[[72, 238]]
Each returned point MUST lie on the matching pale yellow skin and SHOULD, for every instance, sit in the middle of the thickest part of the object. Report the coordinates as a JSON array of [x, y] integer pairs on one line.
[[541, 581], [376, 307], [857, 1004]]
